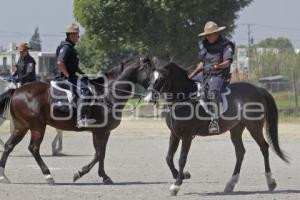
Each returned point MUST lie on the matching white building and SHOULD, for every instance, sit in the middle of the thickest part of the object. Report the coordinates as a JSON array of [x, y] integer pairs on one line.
[[45, 62], [242, 59]]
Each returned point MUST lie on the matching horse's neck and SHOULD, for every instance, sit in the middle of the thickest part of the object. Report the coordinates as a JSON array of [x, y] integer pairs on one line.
[[182, 89], [119, 91]]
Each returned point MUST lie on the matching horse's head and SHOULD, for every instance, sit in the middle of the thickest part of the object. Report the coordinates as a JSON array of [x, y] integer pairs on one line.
[[137, 70], [162, 80]]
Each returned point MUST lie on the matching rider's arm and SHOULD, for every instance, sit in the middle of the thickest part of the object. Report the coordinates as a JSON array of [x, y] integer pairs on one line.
[[223, 65], [62, 57], [198, 69], [227, 58], [62, 68], [15, 73], [201, 55]]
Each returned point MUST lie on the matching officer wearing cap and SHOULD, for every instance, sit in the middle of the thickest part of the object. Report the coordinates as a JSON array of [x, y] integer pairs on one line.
[[216, 53], [25, 71], [68, 66]]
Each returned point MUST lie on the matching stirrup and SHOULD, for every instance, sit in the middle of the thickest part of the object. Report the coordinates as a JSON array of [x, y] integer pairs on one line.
[[214, 127]]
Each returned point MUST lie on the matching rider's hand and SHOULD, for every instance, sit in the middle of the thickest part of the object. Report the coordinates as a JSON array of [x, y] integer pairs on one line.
[[216, 66]]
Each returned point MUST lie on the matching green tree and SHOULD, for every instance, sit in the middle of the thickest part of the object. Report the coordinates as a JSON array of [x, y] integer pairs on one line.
[[35, 42], [282, 62], [281, 43], [93, 59], [165, 28]]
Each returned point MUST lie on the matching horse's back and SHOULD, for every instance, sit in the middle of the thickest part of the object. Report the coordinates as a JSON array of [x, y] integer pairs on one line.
[[30, 98], [246, 91]]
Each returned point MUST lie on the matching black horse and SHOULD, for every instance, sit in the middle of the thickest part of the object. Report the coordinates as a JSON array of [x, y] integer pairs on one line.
[[30, 109], [248, 107]]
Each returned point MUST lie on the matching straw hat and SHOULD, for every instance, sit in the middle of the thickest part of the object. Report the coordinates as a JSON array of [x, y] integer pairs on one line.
[[211, 27], [72, 28], [23, 47]]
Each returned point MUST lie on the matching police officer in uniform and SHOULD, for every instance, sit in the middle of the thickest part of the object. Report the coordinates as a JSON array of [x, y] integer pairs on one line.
[[68, 66], [25, 71], [216, 54]]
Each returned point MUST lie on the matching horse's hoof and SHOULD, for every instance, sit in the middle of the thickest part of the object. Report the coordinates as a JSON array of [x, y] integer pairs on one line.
[[49, 179], [108, 181], [272, 186], [229, 188], [76, 176], [187, 175], [4, 179], [174, 189], [58, 154]]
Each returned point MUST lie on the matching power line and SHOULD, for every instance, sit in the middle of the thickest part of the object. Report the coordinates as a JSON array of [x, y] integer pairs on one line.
[[271, 26]]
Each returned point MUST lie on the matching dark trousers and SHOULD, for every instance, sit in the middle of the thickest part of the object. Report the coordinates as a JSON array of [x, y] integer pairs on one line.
[[80, 87], [216, 86], [215, 82]]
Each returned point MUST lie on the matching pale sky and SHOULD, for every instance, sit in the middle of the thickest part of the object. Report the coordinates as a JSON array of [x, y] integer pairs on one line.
[[273, 18]]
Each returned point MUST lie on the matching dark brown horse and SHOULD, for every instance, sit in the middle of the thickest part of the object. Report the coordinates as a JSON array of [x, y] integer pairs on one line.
[[30, 109], [248, 107]]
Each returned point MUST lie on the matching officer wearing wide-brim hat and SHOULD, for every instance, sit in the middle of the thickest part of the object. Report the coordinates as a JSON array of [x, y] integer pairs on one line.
[[25, 67], [215, 58], [68, 66], [67, 56]]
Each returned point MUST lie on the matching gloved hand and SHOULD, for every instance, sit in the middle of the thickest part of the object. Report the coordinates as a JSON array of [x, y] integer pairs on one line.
[[11, 79]]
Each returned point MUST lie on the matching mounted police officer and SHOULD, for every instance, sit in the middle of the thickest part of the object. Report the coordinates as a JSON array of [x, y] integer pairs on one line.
[[25, 71], [68, 66], [215, 58]]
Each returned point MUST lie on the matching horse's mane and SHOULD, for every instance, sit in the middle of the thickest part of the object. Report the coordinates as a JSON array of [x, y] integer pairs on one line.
[[127, 60], [174, 67]]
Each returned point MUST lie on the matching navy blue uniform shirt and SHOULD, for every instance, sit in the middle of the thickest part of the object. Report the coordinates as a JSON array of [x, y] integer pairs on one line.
[[67, 54], [25, 69]]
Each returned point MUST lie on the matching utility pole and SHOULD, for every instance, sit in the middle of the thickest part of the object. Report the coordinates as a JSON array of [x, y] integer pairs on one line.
[[250, 43]]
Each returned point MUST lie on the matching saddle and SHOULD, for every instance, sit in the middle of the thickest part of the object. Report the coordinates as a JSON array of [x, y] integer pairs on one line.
[[202, 94], [63, 98]]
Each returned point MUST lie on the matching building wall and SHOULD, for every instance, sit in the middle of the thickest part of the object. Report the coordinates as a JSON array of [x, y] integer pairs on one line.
[[45, 63]]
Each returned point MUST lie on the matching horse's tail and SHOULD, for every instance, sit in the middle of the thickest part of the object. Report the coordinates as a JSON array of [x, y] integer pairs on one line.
[[272, 124], [5, 100]]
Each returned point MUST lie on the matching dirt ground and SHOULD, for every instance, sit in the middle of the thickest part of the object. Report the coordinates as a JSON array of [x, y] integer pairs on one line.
[[135, 161]]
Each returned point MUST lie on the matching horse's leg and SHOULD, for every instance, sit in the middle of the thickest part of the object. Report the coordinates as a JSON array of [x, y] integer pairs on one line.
[[13, 140], [37, 136], [173, 146], [101, 142], [1, 122], [85, 169], [57, 143], [257, 134], [185, 147], [1, 143], [236, 138]]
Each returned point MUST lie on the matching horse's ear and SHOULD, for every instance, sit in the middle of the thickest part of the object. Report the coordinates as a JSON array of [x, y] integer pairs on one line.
[[121, 68]]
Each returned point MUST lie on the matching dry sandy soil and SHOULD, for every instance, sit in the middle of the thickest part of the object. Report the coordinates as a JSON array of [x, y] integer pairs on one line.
[[136, 162]]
